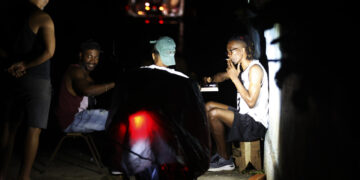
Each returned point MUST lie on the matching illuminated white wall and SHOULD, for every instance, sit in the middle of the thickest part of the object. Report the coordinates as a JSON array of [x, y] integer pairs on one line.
[[271, 143]]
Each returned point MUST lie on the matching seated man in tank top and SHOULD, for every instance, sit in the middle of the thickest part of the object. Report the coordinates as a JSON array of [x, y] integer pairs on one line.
[[249, 121], [76, 88]]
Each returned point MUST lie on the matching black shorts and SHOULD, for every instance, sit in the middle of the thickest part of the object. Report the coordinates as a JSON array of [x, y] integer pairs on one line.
[[245, 128]]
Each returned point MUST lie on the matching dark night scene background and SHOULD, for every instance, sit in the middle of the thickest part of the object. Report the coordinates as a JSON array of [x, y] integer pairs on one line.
[[318, 77]]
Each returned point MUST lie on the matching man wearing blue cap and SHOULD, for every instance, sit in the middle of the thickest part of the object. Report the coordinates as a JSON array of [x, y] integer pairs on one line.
[[175, 108], [163, 55]]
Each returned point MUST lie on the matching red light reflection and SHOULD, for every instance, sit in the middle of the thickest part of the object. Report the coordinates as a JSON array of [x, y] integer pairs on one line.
[[141, 125]]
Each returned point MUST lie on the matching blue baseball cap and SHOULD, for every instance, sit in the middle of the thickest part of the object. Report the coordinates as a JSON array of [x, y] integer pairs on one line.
[[166, 47]]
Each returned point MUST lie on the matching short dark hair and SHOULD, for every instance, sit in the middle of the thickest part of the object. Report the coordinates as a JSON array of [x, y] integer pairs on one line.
[[90, 44], [249, 44]]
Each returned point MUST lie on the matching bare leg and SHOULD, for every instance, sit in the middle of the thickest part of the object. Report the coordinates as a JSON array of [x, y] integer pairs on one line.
[[31, 148], [8, 134], [217, 129], [219, 116]]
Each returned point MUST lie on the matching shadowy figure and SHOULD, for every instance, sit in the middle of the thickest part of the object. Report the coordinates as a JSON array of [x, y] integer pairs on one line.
[[30, 46], [157, 127]]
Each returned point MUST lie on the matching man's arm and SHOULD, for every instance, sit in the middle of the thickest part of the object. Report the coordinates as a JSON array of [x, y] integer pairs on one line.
[[48, 33], [250, 95], [40, 21], [217, 78], [82, 84]]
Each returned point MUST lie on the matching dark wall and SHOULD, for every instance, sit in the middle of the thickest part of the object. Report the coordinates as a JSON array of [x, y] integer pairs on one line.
[[318, 125]]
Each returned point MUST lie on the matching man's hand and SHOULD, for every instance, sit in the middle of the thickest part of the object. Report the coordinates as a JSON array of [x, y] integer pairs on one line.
[[233, 72], [207, 80], [17, 70]]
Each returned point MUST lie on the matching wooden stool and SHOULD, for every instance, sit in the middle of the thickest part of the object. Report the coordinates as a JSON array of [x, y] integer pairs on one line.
[[248, 152]]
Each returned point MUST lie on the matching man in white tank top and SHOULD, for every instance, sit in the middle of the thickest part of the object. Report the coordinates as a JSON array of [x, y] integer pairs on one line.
[[249, 121]]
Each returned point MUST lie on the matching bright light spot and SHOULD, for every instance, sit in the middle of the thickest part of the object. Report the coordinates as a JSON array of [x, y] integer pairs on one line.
[[147, 21], [147, 4], [161, 8], [140, 13], [139, 121], [141, 125], [147, 8], [161, 21]]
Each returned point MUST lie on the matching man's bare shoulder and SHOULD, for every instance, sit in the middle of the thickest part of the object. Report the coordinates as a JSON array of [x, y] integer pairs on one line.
[[42, 18], [256, 73], [256, 68], [75, 71]]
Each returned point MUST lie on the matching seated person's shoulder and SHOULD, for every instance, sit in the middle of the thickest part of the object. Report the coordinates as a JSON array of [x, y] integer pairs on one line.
[[74, 71], [256, 68]]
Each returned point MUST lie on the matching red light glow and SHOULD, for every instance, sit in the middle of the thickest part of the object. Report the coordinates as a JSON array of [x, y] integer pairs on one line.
[[147, 21], [161, 21], [141, 125], [121, 132]]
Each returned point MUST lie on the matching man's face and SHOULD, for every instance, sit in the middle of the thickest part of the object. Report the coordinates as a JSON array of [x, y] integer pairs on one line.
[[89, 59], [235, 51]]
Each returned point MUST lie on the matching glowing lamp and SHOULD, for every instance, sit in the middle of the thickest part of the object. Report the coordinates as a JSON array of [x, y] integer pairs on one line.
[[140, 13]]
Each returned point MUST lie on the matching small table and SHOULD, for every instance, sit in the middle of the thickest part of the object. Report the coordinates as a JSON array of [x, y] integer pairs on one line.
[[209, 88]]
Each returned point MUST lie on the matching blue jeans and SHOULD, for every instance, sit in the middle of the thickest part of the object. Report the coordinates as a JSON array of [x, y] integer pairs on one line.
[[88, 121]]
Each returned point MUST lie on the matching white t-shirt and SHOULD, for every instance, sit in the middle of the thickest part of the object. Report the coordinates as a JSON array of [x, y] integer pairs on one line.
[[172, 71]]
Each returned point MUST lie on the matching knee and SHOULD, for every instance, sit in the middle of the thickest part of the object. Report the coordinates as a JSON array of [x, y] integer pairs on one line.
[[209, 105], [212, 113], [214, 121], [34, 131]]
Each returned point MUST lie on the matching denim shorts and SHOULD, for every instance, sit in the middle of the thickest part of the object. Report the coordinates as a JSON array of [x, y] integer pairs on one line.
[[88, 121]]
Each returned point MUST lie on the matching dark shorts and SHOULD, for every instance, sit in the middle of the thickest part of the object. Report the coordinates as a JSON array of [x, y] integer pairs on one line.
[[29, 97], [245, 128]]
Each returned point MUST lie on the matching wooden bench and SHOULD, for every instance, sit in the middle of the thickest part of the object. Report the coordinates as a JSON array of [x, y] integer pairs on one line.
[[247, 152]]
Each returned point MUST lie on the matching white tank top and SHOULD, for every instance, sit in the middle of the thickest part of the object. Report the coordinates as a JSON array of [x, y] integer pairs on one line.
[[260, 112]]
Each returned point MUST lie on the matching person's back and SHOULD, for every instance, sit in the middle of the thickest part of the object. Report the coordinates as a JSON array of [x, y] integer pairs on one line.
[[158, 115], [181, 136]]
